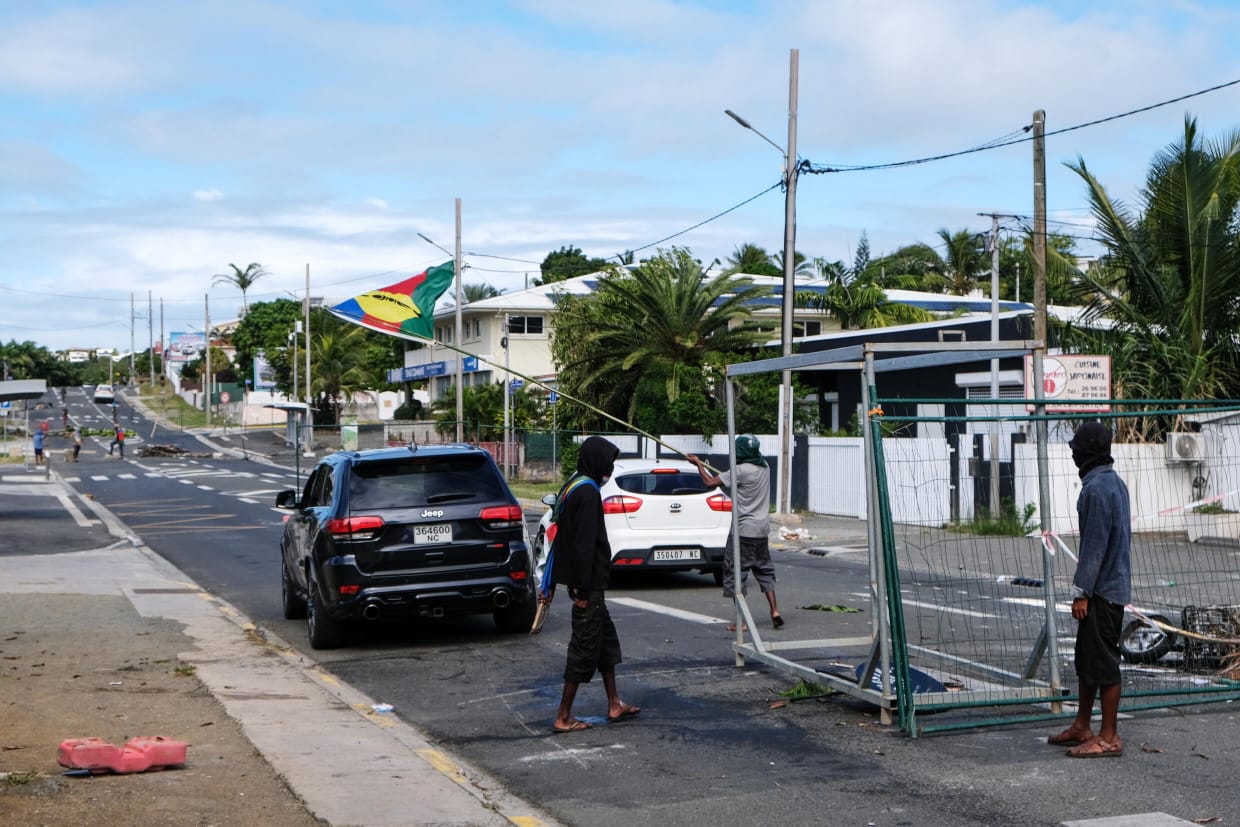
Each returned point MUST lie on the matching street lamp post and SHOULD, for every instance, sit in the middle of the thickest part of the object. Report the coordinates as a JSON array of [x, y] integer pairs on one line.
[[783, 498]]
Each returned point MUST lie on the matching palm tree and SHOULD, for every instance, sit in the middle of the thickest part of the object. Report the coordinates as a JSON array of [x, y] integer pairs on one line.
[[338, 356], [1171, 276], [801, 266], [477, 292], [963, 260], [862, 304], [242, 280], [752, 260], [664, 322]]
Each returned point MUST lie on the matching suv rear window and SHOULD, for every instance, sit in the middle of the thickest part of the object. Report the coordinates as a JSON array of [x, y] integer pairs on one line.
[[415, 483], [664, 482]]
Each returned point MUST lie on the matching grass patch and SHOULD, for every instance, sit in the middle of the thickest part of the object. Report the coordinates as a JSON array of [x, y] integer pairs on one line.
[[17, 779], [1007, 523], [185, 670], [804, 691], [532, 490]]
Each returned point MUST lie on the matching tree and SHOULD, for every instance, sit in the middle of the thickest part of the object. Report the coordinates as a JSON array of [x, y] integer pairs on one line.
[[1170, 277], [568, 262], [801, 266], [752, 260], [962, 261], [338, 368], [477, 292], [655, 333], [265, 331], [861, 259], [242, 280], [862, 304], [912, 267], [483, 407]]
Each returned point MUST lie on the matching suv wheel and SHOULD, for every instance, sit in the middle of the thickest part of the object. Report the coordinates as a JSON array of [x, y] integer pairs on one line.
[[516, 618], [294, 607], [325, 632]]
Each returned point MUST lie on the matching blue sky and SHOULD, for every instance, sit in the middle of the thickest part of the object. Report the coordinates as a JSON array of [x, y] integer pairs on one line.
[[146, 145]]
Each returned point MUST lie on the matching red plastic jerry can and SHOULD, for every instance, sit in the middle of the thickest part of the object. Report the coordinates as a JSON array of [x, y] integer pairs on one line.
[[140, 754]]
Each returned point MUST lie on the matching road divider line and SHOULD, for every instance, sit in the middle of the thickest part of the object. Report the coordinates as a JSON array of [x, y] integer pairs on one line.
[[680, 614]]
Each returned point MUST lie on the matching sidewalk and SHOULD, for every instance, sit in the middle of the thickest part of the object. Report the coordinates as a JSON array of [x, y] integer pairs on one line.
[[347, 763]]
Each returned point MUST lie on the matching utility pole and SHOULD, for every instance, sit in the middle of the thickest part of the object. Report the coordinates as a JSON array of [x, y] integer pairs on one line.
[[309, 449], [460, 359], [132, 344], [163, 346], [996, 511], [507, 393], [784, 505], [150, 329], [206, 370]]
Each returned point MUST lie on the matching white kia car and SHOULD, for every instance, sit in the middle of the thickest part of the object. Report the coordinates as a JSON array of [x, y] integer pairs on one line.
[[660, 517]]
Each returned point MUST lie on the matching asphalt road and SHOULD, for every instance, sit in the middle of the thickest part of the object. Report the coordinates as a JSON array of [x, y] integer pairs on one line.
[[713, 744]]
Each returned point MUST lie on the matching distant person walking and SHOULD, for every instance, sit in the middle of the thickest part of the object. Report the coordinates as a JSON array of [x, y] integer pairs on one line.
[[38, 446], [1101, 588], [118, 442], [77, 443], [750, 487]]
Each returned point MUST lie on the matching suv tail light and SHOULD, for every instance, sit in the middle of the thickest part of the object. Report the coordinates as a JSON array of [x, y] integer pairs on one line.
[[621, 504], [498, 517], [355, 528], [719, 502]]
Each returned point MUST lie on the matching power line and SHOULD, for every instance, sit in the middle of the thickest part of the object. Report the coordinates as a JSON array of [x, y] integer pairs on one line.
[[707, 221], [819, 169]]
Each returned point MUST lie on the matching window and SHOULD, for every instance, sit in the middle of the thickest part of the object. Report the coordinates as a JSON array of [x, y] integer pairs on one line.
[[801, 329], [528, 325]]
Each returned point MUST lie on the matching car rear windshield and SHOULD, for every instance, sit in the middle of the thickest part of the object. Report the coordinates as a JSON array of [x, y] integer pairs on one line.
[[413, 483], [663, 482]]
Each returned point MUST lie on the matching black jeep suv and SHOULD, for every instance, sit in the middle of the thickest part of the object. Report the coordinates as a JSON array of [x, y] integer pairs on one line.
[[404, 532]]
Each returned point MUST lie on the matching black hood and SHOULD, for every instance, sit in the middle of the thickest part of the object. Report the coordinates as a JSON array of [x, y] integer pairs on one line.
[[597, 458], [1091, 447]]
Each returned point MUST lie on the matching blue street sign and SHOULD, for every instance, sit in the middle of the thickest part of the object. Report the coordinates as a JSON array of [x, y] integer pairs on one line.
[[552, 398], [517, 383]]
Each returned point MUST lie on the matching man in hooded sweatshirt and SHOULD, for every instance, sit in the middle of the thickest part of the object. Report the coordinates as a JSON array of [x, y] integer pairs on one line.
[[751, 497], [582, 562], [1101, 588]]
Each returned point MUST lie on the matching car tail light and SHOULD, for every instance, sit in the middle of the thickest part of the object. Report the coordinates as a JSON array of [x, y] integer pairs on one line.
[[350, 589], [355, 528], [627, 561], [501, 516], [519, 574], [665, 471], [719, 502], [621, 504]]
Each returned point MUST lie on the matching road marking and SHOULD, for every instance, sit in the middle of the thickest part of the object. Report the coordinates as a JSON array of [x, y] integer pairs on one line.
[[126, 476], [248, 500], [72, 508], [680, 614], [261, 492], [100, 478], [205, 488], [940, 608]]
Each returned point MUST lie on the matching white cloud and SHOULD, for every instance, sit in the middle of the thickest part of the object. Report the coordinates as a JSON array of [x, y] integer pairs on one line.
[[209, 194]]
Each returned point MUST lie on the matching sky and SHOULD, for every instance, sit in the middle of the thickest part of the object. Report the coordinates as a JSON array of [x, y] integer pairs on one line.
[[146, 145]]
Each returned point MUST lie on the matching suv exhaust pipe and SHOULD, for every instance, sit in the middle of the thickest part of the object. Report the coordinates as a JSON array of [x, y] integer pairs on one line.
[[500, 598], [371, 610]]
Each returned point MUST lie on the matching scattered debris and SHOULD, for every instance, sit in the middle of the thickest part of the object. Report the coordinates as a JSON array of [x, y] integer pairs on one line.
[[156, 450], [786, 533], [137, 755], [837, 608]]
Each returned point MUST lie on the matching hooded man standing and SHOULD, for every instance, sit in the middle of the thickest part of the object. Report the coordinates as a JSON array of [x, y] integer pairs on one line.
[[1101, 588], [582, 562], [750, 488]]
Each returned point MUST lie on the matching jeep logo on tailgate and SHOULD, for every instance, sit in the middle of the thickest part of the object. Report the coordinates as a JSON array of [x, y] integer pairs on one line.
[[429, 513]]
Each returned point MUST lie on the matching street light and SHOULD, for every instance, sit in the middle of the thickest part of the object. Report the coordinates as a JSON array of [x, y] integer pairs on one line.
[[783, 498]]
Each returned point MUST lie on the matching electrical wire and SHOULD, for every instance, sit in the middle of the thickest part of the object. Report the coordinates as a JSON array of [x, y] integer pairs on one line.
[[818, 169], [707, 221]]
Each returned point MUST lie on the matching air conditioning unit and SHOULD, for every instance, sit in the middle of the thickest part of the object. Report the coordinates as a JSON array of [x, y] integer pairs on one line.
[[1184, 446]]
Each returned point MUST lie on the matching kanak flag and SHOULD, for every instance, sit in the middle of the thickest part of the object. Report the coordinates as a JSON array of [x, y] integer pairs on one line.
[[404, 309]]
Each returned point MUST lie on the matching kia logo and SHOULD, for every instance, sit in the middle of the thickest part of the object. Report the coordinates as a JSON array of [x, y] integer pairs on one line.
[[429, 513]]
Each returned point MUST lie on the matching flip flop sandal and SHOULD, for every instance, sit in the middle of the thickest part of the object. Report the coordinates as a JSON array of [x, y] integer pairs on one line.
[[777, 621], [1097, 748], [575, 726], [1069, 741]]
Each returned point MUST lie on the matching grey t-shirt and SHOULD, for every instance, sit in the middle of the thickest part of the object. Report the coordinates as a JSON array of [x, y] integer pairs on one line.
[[753, 499]]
